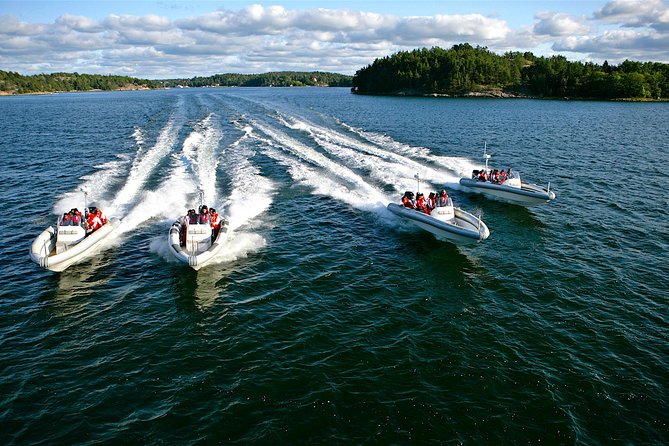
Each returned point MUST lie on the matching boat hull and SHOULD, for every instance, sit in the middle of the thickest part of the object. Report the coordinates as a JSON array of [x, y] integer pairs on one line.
[[526, 195], [196, 259], [43, 248], [465, 229]]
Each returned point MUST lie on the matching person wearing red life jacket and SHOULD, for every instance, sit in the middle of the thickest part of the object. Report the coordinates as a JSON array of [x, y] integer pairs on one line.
[[66, 220], [431, 202], [191, 217], [93, 222], [102, 216], [482, 176], [204, 214], [442, 199], [215, 222], [76, 216], [408, 201], [421, 203], [501, 177]]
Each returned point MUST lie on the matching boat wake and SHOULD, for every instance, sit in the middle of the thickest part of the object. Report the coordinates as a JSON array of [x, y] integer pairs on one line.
[[224, 154]]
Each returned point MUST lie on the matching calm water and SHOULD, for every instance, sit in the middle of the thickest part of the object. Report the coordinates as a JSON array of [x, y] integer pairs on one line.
[[326, 320]]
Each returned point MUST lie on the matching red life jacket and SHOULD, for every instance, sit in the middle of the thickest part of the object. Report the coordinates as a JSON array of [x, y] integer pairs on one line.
[[93, 222], [102, 217], [421, 205], [407, 203], [214, 220]]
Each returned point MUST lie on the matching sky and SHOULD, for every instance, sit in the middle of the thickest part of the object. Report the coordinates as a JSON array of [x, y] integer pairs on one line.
[[182, 39]]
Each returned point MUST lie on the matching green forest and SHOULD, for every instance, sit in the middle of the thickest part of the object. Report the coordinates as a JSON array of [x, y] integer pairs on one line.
[[15, 83], [273, 79], [465, 70]]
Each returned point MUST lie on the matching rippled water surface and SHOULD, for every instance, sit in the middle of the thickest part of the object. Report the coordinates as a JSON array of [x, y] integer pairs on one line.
[[326, 320]]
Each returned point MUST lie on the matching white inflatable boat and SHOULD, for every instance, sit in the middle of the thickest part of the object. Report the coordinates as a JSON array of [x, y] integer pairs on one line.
[[511, 190], [56, 248], [193, 243], [447, 223]]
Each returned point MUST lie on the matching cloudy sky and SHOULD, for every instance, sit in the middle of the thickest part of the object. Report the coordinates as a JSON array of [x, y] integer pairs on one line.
[[168, 39]]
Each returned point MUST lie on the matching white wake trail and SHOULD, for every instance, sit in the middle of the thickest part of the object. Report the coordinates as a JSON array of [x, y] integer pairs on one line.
[[251, 193], [461, 167], [365, 191], [95, 185], [384, 165], [145, 163], [201, 149]]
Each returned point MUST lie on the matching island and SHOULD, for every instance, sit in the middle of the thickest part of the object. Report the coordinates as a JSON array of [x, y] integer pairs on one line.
[[14, 83], [466, 71]]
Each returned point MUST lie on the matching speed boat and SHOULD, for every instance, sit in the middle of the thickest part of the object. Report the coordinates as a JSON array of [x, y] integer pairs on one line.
[[447, 223], [512, 190], [192, 242], [59, 247]]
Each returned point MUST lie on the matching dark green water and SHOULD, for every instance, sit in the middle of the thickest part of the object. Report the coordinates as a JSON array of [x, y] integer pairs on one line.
[[326, 320]]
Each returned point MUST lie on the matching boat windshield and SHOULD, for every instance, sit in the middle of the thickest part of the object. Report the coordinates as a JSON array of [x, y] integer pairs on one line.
[[68, 220], [449, 202]]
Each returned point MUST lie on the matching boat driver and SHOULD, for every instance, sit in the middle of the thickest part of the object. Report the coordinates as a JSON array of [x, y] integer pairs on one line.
[[442, 199]]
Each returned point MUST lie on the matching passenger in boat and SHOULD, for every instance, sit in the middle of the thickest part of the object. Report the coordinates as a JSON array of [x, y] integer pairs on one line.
[[510, 173], [191, 217], [93, 222], [408, 201], [494, 178], [431, 202], [482, 175], [421, 203], [101, 216], [442, 200], [66, 220], [76, 216], [215, 223], [501, 177], [475, 174], [204, 214]]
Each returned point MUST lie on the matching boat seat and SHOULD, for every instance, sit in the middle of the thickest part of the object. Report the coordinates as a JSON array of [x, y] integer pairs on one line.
[[68, 236], [199, 229]]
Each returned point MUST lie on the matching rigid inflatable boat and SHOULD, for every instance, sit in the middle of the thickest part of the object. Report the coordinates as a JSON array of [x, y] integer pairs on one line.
[[512, 190], [192, 242], [56, 248], [447, 223]]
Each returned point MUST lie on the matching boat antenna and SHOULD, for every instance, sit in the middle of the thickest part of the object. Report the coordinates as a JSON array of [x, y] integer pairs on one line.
[[417, 177], [85, 200], [486, 155], [85, 222], [201, 195]]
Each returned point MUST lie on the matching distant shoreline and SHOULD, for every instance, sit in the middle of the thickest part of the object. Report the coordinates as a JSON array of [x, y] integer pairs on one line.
[[499, 94]]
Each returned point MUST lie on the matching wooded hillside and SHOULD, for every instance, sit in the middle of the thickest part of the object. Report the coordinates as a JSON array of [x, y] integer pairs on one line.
[[464, 69], [15, 83], [272, 79]]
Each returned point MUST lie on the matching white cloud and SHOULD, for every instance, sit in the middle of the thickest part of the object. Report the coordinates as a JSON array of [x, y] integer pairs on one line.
[[11, 26], [559, 24], [636, 13], [267, 38], [80, 24]]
